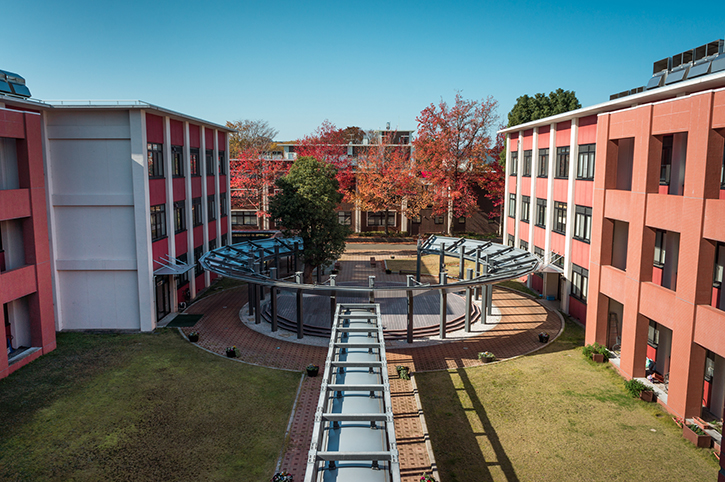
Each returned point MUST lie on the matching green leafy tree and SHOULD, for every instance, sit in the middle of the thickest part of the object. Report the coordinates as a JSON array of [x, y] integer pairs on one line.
[[305, 207], [528, 108]]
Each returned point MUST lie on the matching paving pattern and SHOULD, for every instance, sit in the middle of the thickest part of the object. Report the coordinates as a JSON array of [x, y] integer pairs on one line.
[[522, 318]]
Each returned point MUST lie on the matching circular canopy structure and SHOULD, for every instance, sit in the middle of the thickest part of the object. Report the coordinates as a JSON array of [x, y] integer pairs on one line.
[[493, 262]]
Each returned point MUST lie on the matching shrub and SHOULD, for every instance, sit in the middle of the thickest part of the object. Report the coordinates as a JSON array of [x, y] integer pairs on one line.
[[635, 387], [696, 429], [589, 350]]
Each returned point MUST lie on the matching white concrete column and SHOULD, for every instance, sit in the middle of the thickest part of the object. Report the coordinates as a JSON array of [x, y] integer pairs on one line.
[[217, 197], [519, 160], [204, 194], [227, 167], [550, 193], [142, 219], [187, 209], [570, 209], [170, 224], [506, 176]]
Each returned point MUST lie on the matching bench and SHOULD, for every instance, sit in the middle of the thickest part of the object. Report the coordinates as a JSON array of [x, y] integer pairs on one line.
[[372, 260]]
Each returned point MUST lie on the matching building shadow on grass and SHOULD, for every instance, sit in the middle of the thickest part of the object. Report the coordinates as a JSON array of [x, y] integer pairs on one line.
[[465, 442]]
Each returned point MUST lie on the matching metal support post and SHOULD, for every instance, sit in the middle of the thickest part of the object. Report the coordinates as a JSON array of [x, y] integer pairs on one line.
[[273, 298], [296, 255], [469, 276], [417, 263], [298, 279], [442, 260], [333, 298], [443, 305], [484, 302], [461, 261], [409, 330], [478, 271], [371, 284]]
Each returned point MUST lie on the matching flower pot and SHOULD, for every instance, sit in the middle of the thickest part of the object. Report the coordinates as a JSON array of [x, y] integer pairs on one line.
[[231, 353], [313, 371], [193, 338], [701, 441], [598, 357], [486, 359], [544, 337], [647, 395]]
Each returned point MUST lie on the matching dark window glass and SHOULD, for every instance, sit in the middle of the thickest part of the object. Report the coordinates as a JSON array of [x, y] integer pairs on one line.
[[209, 162], [559, 218], [583, 223], [182, 279], [526, 169], [378, 218], [177, 161], [510, 241], [222, 162], [158, 222], [541, 212], [155, 160], [660, 239], [585, 166], [344, 217], [544, 162], [179, 216], [579, 282], [211, 207], [196, 211], [198, 251], [223, 204], [525, 208], [562, 162], [512, 205], [524, 245], [666, 165], [194, 161], [244, 218], [438, 219]]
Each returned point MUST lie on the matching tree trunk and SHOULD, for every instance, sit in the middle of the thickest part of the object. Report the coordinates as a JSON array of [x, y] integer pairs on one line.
[[307, 274], [387, 215]]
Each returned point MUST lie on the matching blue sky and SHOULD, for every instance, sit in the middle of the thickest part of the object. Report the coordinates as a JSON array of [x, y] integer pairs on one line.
[[296, 64]]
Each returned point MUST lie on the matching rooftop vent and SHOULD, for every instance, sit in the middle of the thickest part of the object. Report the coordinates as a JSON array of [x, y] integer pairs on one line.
[[13, 84]]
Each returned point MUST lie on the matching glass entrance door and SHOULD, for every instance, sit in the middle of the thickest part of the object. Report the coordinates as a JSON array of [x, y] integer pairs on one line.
[[163, 297]]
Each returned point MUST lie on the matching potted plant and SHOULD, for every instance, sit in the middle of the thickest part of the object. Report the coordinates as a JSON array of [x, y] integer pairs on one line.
[[232, 352], [486, 357], [598, 353], [194, 336], [635, 387], [648, 395], [427, 478], [696, 435], [544, 337], [312, 370], [282, 477], [403, 372]]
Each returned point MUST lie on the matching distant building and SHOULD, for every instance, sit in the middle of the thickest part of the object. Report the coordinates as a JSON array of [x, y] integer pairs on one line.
[[626, 200]]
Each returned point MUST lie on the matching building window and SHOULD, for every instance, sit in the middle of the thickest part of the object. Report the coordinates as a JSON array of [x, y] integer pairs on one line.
[[196, 211], [541, 212], [557, 261], [244, 218], [198, 251], [660, 239], [666, 163], [211, 207], [514, 163], [719, 268], [559, 218], [562, 163], [194, 161], [585, 166], [378, 218], [222, 162], [417, 219], [438, 219], [722, 172], [653, 334], [510, 241], [182, 279], [544, 162], [156, 160], [525, 208], [158, 222], [526, 170], [539, 252], [524, 245], [512, 205], [180, 216], [223, 204], [583, 223], [177, 161], [209, 162], [212, 244], [344, 218], [579, 282]]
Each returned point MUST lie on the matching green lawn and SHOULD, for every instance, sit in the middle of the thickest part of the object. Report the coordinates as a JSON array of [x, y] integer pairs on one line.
[[552, 416], [141, 407]]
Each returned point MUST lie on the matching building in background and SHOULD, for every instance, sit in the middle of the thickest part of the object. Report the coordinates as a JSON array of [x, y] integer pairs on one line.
[[625, 201], [109, 236]]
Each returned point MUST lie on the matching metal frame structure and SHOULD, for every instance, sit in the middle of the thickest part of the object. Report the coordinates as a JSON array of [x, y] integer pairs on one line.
[[353, 438]]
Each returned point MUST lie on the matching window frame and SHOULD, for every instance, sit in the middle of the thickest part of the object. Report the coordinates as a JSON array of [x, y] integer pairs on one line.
[[559, 217], [512, 205], [183, 278], [198, 252], [210, 162], [158, 222], [344, 218], [179, 217], [561, 170], [540, 213], [523, 245], [211, 207], [514, 163], [525, 209], [660, 248], [526, 168], [511, 240], [585, 163], [177, 161], [222, 162], [583, 214], [381, 214], [155, 159], [543, 162], [197, 216], [579, 282], [194, 161], [223, 204]]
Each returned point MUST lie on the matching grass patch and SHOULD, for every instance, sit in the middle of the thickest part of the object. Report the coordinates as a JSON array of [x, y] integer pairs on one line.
[[141, 407], [552, 416]]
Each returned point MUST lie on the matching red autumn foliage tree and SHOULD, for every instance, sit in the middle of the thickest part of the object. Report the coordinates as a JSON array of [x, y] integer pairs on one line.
[[386, 178], [252, 179], [329, 144], [452, 150], [491, 178]]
